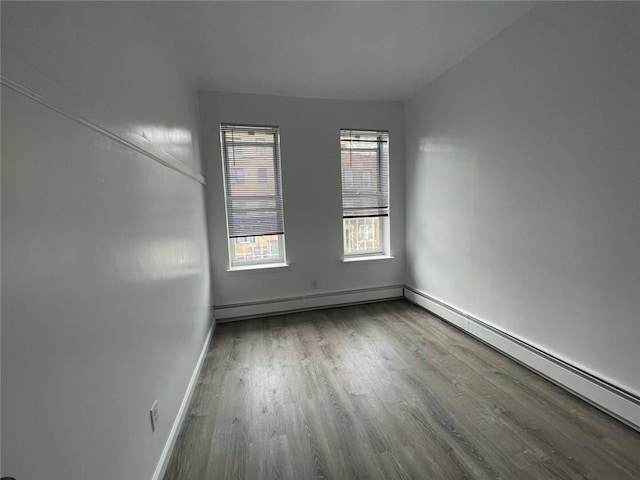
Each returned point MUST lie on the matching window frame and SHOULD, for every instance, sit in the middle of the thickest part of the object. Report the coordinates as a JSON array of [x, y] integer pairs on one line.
[[383, 220], [234, 261]]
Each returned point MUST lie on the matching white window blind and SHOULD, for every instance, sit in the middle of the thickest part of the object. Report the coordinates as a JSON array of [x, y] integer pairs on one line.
[[365, 191], [252, 179], [365, 173]]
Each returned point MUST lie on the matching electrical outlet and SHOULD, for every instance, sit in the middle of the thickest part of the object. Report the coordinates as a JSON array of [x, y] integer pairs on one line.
[[314, 284], [153, 413]]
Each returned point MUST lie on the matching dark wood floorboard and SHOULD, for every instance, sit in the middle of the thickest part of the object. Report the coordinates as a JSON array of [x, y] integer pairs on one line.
[[385, 391]]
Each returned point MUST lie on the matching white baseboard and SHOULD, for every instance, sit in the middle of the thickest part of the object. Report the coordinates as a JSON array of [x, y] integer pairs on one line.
[[619, 403], [241, 311], [163, 462]]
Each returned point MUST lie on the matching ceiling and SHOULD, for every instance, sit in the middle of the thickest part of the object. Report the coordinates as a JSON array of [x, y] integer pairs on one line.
[[348, 50]]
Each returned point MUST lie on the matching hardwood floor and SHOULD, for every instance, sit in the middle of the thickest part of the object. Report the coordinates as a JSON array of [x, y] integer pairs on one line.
[[385, 391]]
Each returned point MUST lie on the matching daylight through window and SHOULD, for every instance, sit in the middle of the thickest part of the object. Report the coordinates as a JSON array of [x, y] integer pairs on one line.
[[253, 194], [365, 190]]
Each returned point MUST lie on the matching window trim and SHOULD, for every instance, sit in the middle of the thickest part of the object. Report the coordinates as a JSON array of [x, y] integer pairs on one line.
[[242, 264], [384, 223]]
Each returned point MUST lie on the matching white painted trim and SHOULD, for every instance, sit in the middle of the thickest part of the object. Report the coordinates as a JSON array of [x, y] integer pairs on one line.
[[241, 311], [354, 259], [257, 266], [616, 401], [163, 462], [31, 83]]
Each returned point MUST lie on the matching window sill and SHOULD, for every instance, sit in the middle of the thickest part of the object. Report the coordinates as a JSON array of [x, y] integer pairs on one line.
[[257, 266], [367, 258]]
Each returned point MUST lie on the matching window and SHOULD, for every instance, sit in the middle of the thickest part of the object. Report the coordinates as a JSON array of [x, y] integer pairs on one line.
[[236, 175], [365, 203], [262, 175], [347, 178], [366, 180], [255, 219], [368, 231]]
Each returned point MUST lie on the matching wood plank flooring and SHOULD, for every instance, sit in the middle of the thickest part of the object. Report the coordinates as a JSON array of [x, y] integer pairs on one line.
[[385, 391]]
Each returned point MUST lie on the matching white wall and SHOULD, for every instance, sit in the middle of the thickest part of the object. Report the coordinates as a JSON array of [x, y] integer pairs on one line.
[[111, 57], [523, 166], [310, 150], [105, 277]]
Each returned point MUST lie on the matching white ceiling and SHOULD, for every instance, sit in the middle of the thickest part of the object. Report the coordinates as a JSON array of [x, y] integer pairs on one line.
[[353, 50], [348, 50]]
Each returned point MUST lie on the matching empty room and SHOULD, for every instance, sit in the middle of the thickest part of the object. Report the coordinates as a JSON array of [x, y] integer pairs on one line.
[[320, 240]]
